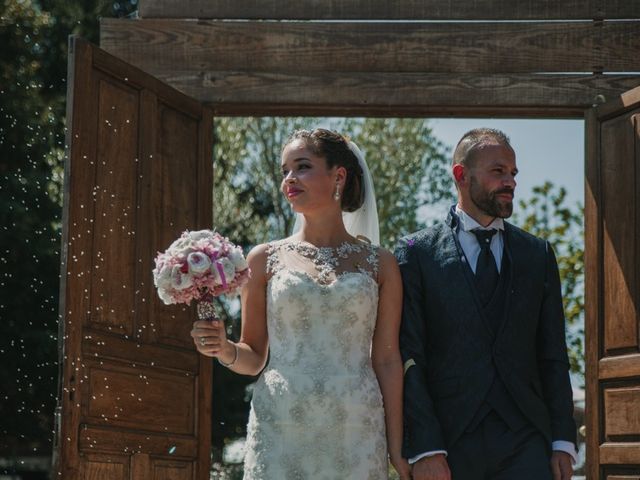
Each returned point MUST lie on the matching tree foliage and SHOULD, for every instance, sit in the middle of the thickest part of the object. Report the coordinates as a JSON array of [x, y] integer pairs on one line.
[[547, 215], [410, 168], [33, 63], [408, 163]]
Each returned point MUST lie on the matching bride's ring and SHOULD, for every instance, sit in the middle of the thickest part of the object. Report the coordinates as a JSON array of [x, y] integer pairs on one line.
[[203, 341]]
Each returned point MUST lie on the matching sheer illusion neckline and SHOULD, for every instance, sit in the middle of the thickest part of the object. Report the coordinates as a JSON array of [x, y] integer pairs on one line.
[[342, 245], [324, 263]]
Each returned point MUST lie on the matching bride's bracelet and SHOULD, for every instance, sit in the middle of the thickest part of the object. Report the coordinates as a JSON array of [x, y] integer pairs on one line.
[[235, 357]]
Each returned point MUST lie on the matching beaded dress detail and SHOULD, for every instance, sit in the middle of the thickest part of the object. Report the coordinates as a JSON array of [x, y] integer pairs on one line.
[[316, 411]]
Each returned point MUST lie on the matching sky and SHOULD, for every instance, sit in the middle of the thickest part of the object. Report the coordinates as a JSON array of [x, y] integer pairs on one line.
[[545, 150]]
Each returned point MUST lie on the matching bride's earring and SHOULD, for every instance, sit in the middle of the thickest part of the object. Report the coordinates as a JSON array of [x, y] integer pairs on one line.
[[336, 195]]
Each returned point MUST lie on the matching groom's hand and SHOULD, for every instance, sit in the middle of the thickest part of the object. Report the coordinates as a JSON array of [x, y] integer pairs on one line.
[[561, 465], [431, 468]]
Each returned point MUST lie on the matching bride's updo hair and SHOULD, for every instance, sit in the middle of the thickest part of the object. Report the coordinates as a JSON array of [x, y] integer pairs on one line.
[[334, 148]]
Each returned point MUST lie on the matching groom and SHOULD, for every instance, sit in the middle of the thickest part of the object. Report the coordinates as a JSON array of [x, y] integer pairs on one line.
[[486, 387]]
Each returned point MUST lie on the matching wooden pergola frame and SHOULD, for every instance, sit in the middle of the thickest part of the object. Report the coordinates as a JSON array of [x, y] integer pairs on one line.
[[540, 58]]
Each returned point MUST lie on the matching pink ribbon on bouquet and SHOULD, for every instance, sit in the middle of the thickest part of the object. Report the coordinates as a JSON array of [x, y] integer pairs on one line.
[[221, 272], [214, 259]]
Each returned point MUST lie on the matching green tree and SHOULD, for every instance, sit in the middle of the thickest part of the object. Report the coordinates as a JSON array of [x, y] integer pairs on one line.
[[547, 215], [410, 168], [248, 205], [31, 141], [409, 165], [33, 63]]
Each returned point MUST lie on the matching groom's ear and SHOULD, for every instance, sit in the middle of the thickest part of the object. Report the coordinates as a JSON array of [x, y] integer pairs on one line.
[[458, 173]]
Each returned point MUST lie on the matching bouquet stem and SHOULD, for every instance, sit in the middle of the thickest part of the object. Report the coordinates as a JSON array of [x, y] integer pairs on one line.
[[208, 309]]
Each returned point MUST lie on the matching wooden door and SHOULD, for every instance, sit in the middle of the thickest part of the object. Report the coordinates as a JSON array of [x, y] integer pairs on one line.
[[135, 396], [612, 263]]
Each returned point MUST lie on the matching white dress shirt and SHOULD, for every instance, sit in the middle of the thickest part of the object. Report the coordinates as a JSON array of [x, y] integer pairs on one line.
[[471, 249]]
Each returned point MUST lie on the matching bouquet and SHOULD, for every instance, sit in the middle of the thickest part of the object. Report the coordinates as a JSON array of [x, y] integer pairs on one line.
[[198, 266]]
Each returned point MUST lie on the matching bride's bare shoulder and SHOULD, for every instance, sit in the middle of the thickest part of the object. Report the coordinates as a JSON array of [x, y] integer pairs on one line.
[[388, 265], [263, 258], [258, 257]]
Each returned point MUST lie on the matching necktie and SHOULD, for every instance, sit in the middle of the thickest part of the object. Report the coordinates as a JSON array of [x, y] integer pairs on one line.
[[486, 269]]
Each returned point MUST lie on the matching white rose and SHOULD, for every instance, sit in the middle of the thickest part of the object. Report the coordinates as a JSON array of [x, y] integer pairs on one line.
[[180, 280], [238, 260], [178, 245], [186, 249], [165, 297], [198, 262], [199, 235], [229, 269], [162, 279]]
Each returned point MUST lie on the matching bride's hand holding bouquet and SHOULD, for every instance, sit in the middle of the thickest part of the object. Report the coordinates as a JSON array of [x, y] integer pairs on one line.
[[201, 265]]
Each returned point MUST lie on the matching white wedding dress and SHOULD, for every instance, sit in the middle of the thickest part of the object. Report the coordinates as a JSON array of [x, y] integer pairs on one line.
[[317, 409]]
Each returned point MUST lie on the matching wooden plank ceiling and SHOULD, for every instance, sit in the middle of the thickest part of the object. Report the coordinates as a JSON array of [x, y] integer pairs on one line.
[[392, 10], [533, 57]]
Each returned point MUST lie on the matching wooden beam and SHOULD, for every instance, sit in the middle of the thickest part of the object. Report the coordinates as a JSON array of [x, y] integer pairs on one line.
[[392, 10], [114, 66], [315, 47], [593, 290], [627, 101], [414, 111], [400, 89], [411, 93]]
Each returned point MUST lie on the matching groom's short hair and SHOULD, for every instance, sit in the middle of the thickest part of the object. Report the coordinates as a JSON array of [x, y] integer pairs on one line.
[[473, 140]]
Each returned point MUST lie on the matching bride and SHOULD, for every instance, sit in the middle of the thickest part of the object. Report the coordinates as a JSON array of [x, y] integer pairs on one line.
[[326, 305]]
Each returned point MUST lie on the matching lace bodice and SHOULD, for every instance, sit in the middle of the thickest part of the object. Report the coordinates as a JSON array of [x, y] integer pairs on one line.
[[318, 399], [321, 301]]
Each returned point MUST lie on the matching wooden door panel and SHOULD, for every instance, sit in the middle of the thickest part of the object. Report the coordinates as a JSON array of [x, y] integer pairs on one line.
[[177, 139], [620, 230], [612, 293], [622, 415], [108, 347], [138, 443], [172, 470], [104, 467], [135, 395], [114, 198], [618, 457], [141, 398]]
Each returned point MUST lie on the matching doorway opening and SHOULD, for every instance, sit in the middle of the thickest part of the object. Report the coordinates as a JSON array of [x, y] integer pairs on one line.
[[410, 162]]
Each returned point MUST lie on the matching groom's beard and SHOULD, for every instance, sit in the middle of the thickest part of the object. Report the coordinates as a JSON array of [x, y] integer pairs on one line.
[[488, 201]]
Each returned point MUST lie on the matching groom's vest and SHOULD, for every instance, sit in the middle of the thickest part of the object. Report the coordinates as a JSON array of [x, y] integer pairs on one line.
[[498, 398]]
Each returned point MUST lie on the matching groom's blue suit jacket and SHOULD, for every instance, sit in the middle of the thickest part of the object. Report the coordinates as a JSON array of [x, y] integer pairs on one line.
[[451, 352]]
